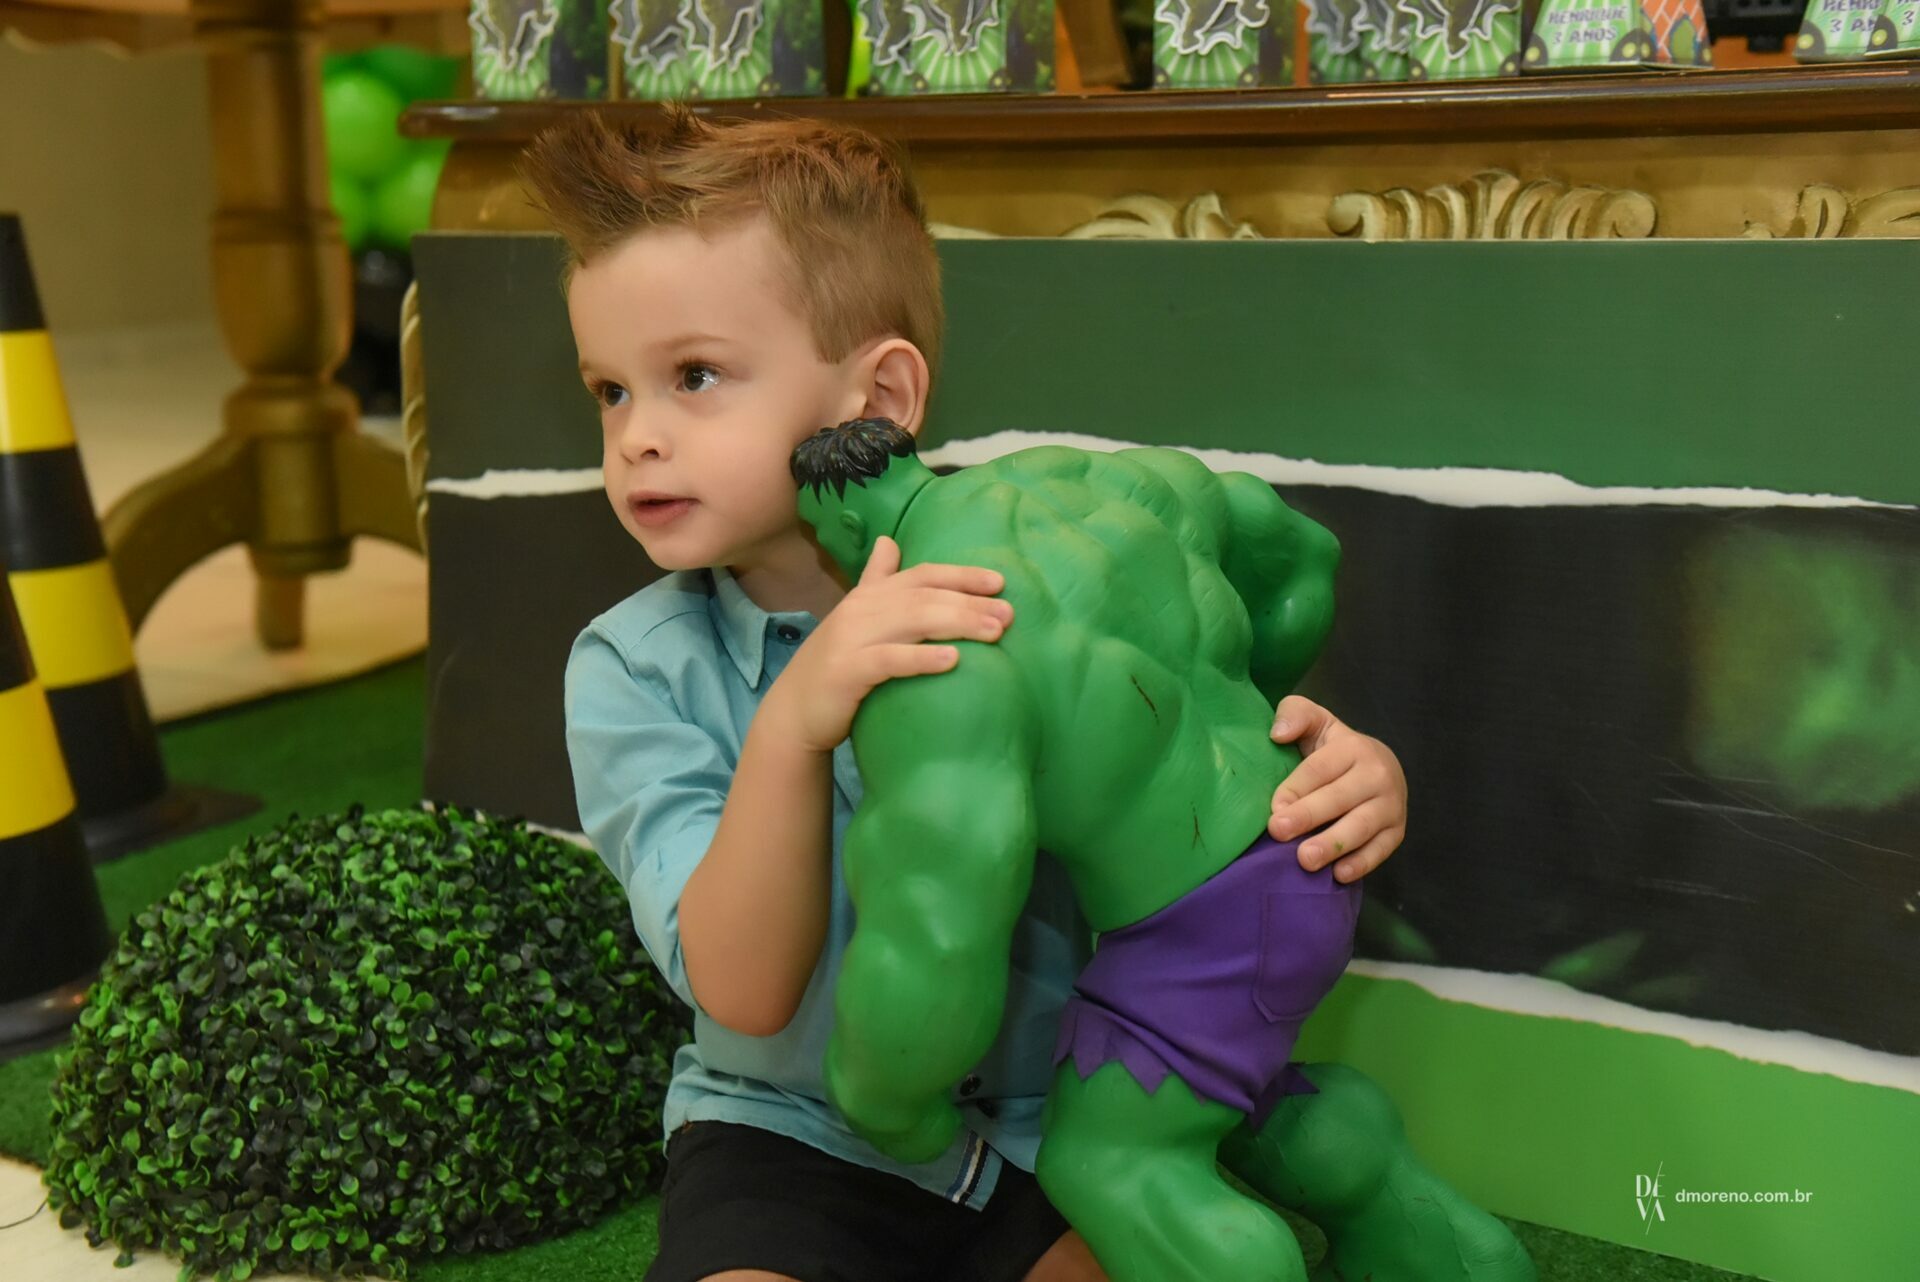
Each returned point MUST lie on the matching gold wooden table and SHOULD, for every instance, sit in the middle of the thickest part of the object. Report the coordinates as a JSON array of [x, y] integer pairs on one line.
[[290, 474]]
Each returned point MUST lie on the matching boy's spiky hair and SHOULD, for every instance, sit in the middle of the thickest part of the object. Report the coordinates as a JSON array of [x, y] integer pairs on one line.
[[861, 263]]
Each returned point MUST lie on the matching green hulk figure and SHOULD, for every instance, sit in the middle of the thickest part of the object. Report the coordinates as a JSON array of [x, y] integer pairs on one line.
[[1122, 724]]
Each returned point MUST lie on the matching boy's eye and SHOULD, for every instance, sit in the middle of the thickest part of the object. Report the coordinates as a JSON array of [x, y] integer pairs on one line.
[[610, 395], [693, 370]]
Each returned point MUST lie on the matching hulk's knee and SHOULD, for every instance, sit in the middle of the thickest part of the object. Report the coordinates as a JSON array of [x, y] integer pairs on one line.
[[1351, 1100], [1330, 1149]]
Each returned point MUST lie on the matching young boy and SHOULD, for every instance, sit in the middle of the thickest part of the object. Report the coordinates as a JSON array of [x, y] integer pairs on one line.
[[731, 291]]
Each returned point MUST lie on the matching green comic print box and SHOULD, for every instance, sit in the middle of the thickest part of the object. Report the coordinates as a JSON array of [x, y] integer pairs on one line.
[[1350, 41], [955, 46], [538, 48], [1462, 39], [1900, 21], [1843, 30], [696, 49], [1222, 44], [1602, 35]]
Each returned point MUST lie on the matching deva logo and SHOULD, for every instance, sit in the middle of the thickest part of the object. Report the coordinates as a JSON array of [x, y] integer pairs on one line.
[[1646, 1196]]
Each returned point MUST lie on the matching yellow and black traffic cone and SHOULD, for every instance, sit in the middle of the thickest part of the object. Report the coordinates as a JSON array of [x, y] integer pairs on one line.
[[53, 931], [70, 608]]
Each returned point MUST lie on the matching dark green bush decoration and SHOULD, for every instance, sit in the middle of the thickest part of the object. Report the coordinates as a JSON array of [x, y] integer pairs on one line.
[[361, 1040]]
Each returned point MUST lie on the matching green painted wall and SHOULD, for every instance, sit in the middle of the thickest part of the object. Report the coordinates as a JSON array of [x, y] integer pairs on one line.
[[1551, 1119]]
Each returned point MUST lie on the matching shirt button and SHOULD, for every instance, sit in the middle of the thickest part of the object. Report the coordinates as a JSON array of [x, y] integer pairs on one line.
[[971, 1085], [787, 632]]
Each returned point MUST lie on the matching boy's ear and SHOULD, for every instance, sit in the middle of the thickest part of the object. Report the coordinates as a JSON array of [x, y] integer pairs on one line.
[[897, 388]]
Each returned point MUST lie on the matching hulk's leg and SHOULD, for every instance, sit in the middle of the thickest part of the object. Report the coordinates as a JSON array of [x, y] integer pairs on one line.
[[1341, 1159], [1137, 1175]]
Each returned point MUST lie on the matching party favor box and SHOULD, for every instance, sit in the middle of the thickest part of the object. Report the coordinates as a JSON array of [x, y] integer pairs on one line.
[[1596, 35], [956, 46], [1900, 20], [1842, 30], [1461, 39], [538, 48], [1355, 40], [720, 48], [1222, 44]]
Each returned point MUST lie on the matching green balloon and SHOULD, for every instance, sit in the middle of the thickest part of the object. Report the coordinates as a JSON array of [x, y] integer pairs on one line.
[[355, 208], [403, 204], [412, 74], [363, 126]]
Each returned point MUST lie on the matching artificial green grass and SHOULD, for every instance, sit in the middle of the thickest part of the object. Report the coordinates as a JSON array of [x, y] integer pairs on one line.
[[361, 740]]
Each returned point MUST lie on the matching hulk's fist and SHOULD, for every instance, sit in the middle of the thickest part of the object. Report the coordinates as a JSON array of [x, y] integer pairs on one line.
[[905, 1130], [925, 1140]]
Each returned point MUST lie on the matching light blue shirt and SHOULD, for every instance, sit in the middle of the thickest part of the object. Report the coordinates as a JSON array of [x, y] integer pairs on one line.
[[659, 693]]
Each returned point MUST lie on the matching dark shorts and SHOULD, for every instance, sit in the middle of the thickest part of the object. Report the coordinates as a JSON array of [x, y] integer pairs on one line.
[[1214, 987], [737, 1197]]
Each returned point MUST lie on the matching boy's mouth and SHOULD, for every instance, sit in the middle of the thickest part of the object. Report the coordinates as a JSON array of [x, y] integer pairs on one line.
[[653, 509]]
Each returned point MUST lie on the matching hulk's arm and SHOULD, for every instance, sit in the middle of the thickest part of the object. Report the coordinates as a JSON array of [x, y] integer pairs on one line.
[[939, 859], [1282, 566]]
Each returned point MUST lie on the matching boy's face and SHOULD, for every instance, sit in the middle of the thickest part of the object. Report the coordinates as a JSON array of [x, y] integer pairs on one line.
[[706, 380]]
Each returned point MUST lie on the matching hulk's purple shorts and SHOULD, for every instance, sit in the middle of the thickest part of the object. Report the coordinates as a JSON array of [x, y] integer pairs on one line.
[[1213, 988]]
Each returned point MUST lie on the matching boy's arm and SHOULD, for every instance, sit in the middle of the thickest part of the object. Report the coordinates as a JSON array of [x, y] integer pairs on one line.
[[649, 785], [656, 794], [939, 860], [754, 915]]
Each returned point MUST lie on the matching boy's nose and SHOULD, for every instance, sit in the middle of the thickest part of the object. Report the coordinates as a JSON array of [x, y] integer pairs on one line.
[[638, 440]]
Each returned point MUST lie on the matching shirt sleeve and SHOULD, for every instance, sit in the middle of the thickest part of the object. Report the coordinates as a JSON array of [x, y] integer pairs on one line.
[[650, 786]]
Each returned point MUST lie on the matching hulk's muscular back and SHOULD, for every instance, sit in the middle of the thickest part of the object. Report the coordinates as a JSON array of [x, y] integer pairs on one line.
[[1129, 653]]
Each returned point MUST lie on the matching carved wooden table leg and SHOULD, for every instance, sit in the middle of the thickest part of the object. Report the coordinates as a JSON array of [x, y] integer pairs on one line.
[[291, 476]]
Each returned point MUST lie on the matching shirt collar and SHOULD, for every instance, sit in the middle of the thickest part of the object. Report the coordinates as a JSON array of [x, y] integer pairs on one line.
[[743, 625]]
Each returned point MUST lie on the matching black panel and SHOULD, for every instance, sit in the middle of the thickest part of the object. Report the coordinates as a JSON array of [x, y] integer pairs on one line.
[[1555, 681], [513, 583], [499, 357]]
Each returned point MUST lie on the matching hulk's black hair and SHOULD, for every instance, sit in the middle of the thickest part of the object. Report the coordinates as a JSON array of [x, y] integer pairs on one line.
[[854, 451]]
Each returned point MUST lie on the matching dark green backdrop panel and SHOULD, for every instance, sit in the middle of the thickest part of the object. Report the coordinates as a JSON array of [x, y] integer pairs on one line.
[[503, 380], [1779, 365]]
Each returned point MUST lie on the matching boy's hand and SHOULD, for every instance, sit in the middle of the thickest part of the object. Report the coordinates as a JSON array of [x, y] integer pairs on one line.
[[875, 634], [1345, 775]]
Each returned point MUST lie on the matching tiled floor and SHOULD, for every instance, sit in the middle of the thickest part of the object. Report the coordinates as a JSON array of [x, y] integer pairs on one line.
[[39, 1250], [142, 401]]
